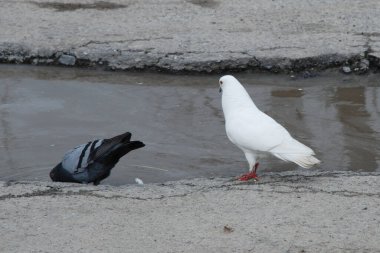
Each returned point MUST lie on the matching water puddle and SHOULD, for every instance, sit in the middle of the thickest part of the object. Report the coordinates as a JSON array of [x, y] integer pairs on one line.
[[46, 111]]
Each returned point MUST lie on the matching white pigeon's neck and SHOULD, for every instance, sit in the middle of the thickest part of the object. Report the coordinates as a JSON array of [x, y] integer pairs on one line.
[[237, 99]]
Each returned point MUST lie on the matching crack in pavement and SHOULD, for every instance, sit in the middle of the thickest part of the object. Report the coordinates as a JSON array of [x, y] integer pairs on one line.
[[57, 191], [342, 193], [122, 41]]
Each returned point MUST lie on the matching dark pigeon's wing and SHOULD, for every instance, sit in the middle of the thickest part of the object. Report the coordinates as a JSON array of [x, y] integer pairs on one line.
[[107, 145], [78, 157]]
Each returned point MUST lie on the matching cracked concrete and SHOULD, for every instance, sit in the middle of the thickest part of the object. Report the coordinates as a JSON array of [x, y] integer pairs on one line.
[[283, 212], [193, 35]]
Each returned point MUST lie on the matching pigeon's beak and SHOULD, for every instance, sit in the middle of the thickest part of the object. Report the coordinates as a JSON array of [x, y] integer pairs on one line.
[[220, 89]]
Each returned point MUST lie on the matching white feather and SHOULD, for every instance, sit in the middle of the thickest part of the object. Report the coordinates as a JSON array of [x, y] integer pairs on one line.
[[255, 132], [139, 181]]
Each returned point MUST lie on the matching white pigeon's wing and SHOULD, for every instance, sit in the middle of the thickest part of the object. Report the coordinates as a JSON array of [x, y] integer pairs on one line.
[[294, 151], [255, 131], [292, 146], [261, 133]]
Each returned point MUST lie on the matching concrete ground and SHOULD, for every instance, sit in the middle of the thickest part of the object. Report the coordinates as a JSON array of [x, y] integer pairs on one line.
[[193, 35], [280, 213]]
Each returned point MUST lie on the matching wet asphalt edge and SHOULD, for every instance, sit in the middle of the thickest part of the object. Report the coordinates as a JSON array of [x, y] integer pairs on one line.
[[355, 63], [295, 181]]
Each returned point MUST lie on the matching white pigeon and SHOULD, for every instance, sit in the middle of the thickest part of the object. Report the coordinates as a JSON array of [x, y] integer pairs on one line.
[[257, 134]]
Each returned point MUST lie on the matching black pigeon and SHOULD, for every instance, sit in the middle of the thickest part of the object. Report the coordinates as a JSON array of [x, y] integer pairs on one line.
[[92, 162]]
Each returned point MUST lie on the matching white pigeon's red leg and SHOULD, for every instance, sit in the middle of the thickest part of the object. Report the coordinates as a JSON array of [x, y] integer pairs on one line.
[[250, 175]]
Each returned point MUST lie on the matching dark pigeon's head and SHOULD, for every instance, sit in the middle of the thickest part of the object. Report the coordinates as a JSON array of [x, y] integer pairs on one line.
[[52, 174], [60, 174]]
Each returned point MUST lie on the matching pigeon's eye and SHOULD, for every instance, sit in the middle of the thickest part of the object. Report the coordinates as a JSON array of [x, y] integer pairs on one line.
[[221, 82]]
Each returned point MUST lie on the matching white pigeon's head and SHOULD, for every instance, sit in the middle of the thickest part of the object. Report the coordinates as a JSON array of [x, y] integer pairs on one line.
[[234, 94], [228, 82]]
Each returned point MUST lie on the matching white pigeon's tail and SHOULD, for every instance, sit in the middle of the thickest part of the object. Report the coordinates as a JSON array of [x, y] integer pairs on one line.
[[294, 151], [304, 161]]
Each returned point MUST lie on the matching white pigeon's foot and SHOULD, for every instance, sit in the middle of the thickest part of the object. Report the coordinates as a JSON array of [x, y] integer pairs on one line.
[[249, 176]]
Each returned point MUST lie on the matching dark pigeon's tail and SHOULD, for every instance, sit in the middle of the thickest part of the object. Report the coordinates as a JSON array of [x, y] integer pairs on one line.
[[122, 138], [119, 151], [116, 147]]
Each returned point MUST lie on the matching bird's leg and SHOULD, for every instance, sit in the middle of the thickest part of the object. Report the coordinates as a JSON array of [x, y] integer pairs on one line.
[[254, 175], [250, 175]]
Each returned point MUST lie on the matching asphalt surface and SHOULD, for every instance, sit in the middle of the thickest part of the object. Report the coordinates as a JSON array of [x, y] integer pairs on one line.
[[280, 213], [193, 35]]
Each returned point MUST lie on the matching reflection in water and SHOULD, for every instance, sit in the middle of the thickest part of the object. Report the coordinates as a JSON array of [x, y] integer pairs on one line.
[[43, 114], [341, 124], [321, 120], [286, 106], [372, 95], [288, 93], [361, 141], [6, 134]]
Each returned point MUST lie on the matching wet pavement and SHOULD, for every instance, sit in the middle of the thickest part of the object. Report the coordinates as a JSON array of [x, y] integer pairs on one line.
[[46, 111]]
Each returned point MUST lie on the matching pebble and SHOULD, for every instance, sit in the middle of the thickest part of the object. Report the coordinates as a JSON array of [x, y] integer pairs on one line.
[[346, 69], [364, 65], [67, 60]]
